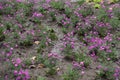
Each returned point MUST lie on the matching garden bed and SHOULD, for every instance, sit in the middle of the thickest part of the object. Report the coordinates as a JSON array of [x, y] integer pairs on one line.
[[60, 40]]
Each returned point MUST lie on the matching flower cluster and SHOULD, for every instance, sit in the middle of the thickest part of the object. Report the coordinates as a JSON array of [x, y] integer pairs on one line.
[[117, 73], [76, 12], [22, 74], [68, 39], [36, 14], [54, 55], [78, 64], [48, 1], [66, 21], [1, 7], [95, 42], [16, 62], [100, 43], [19, 0], [84, 34]]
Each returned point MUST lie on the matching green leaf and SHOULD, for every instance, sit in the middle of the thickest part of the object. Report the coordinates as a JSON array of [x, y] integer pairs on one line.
[[97, 6], [41, 78]]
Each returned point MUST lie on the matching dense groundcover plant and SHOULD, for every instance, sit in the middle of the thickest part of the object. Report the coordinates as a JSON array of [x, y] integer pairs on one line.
[[59, 40]]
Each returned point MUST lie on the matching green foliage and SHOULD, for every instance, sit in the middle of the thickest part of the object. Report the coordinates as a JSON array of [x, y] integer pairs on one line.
[[2, 36], [43, 37], [64, 30], [52, 35], [51, 65], [81, 57], [16, 35], [20, 19], [105, 74], [103, 56], [57, 5], [26, 8], [51, 71], [74, 20], [59, 19], [27, 62], [52, 14], [68, 11], [114, 1], [97, 1], [102, 31], [116, 12], [8, 10], [68, 51], [26, 42], [40, 59], [71, 74], [80, 2], [102, 15], [41, 78], [41, 46], [51, 62], [86, 11], [8, 25], [42, 10], [115, 23], [36, 20], [81, 34], [97, 5]]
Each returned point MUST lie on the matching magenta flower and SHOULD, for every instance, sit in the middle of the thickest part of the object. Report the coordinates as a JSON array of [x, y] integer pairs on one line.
[[117, 73], [68, 3], [54, 55], [76, 64], [26, 73], [15, 72], [48, 1], [22, 74], [99, 66], [35, 14], [9, 53], [19, 0], [16, 62], [82, 72], [18, 78], [82, 63], [1, 7]]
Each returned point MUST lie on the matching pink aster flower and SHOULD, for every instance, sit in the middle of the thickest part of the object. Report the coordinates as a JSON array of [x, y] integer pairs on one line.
[[82, 72], [35, 14], [54, 55], [22, 74], [117, 73], [48, 1], [1, 7], [82, 63], [15, 72], [16, 62], [76, 64], [19, 0]]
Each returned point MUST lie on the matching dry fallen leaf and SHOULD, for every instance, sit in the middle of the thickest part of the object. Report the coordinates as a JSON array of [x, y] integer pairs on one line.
[[32, 66], [37, 42], [58, 69], [40, 66], [33, 58]]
